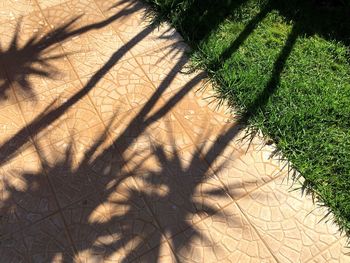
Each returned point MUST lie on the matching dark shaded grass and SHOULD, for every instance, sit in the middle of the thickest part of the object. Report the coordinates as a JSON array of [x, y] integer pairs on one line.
[[285, 66]]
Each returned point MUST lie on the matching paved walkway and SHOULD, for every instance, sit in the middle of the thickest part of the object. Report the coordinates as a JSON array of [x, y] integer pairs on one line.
[[108, 153]]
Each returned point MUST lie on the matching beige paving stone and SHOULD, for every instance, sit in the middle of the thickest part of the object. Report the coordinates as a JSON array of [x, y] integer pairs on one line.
[[12, 9], [178, 185], [162, 253], [40, 63], [113, 5], [9, 124], [80, 115], [204, 121], [49, 3], [154, 129], [165, 73], [81, 164], [199, 111], [168, 134], [45, 241], [122, 10], [45, 123], [91, 51], [127, 131], [59, 72], [25, 195], [129, 19], [112, 227], [243, 171], [223, 237], [112, 151], [122, 88], [69, 182], [7, 95], [215, 134], [83, 14], [289, 223], [91, 143], [96, 156], [23, 28], [14, 137], [179, 191], [339, 252]]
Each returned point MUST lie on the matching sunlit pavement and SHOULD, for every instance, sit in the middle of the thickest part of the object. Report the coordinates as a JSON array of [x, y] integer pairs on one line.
[[112, 151]]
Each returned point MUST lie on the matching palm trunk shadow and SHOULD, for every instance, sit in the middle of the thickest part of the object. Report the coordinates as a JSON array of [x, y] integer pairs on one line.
[[136, 205], [11, 146], [33, 59], [139, 205], [262, 99], [246, 32]]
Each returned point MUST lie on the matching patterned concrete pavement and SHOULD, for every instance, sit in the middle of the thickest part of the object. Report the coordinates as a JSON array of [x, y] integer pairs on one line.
[[110, 153]]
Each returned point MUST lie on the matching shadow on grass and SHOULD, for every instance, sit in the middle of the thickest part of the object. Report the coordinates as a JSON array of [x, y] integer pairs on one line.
[[326, 19], [196, 20], [112, 202]]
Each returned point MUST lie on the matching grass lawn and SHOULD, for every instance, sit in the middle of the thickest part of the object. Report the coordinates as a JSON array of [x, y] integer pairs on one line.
[[285, 66]]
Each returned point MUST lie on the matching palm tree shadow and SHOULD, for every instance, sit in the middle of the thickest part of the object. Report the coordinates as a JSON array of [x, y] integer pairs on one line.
[[139, 201], [11, 146], [139, 217], [36, 57], [33, 59]]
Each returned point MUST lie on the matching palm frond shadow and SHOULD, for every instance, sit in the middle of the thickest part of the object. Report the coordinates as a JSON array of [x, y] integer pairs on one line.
[[11, 147], [143, 203], [20, 63], [120, 187], [36, 57]]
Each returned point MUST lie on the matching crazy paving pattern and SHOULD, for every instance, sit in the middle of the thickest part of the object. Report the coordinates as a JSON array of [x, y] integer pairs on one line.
[[111, 152]]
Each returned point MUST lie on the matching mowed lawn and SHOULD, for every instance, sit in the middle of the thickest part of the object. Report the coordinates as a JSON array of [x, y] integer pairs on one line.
[[285, 66]]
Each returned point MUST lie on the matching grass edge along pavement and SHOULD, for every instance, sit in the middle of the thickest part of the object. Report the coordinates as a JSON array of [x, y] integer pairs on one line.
[[284, 65]]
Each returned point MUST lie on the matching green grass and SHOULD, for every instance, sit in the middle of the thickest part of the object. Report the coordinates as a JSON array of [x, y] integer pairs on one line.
[[285, 66]]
